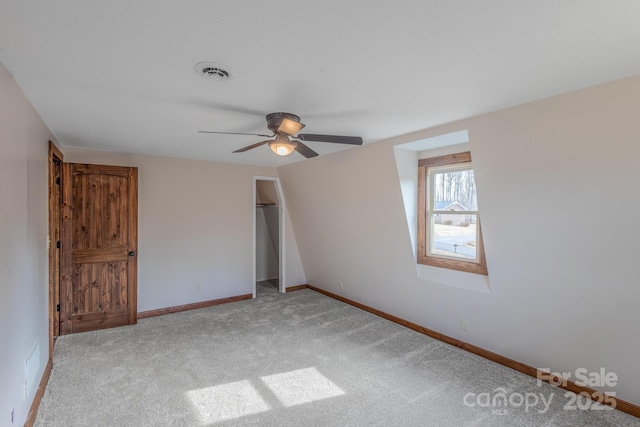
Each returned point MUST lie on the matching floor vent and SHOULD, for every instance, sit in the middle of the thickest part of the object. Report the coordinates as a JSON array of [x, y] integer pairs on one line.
[[31, 369]]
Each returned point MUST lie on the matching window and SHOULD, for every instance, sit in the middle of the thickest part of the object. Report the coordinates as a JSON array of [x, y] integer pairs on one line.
[[449, 234]]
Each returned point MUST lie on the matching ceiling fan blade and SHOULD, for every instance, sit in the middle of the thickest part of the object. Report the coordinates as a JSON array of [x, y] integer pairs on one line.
[[205, 103], [304, 150], [353, 140], [252, 146], [235, 133]]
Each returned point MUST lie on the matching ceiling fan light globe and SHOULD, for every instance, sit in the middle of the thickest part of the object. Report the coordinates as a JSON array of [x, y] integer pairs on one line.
[[282, 148], [290, 127]]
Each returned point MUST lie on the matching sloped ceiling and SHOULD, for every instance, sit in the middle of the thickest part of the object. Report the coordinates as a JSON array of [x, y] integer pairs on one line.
[[119, 75]]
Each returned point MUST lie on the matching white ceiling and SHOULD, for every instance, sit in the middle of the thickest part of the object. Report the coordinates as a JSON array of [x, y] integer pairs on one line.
[[119, 75]]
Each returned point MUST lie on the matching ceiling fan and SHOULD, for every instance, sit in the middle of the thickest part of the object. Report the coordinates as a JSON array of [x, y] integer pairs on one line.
[[284, 126]]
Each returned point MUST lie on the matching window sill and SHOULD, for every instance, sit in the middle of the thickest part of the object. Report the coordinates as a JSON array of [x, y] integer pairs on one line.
[[451, 264], [458, 279]]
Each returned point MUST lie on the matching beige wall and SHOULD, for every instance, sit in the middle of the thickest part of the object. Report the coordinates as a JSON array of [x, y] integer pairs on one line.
[[23, 244], [266, 192], [195, 227], [563, 294]]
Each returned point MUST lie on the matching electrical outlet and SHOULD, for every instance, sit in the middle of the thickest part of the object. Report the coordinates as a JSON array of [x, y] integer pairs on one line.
[[340, 284], [464, 325], [198, 287]]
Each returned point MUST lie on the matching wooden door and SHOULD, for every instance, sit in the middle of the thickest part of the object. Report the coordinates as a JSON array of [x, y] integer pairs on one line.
[[99, 247]]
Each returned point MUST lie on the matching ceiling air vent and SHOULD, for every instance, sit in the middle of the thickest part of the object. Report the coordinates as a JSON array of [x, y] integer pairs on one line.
[[212, 71]]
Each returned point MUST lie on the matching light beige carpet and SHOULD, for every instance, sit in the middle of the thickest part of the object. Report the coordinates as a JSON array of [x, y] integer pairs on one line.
[[300, 359]]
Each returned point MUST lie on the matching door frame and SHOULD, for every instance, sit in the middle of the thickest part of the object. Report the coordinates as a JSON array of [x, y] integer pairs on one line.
[[281, 231], [55, 212]]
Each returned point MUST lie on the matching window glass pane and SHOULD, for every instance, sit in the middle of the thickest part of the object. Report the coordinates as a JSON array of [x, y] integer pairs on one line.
[[454, 235], [455, 190]]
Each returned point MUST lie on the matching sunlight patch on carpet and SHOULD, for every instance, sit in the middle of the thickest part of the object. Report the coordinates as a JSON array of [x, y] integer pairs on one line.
[[227, 401], [301, 386]]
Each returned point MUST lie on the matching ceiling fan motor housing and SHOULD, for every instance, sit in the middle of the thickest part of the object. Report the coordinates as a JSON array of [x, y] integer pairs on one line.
[[275, 119]]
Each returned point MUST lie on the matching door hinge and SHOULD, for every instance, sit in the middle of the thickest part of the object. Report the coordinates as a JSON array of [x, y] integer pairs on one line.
[[58, 180], [58, 307], [58, 244]]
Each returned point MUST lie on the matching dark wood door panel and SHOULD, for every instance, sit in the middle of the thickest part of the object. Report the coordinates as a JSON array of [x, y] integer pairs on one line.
[[99, 287], [99, 253], [100, 211], [100, 320], [82, 169], [81, 256]]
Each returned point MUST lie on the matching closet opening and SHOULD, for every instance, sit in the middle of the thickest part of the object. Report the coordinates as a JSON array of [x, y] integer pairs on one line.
[[268, 237]]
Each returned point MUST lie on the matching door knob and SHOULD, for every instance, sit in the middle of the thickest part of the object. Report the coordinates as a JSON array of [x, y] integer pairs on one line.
[[132, 253]]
